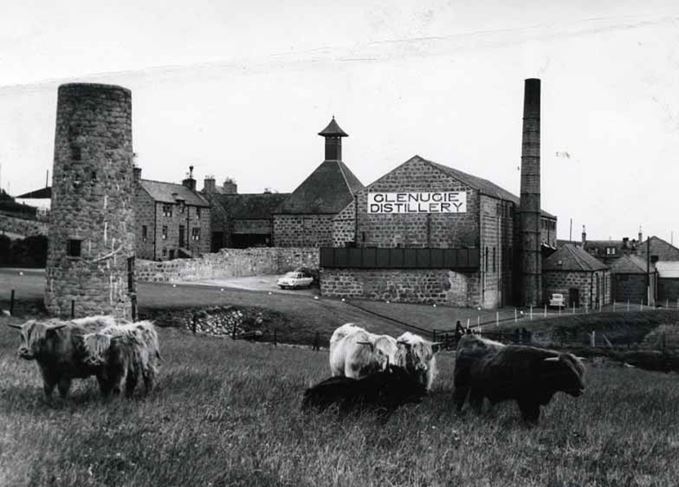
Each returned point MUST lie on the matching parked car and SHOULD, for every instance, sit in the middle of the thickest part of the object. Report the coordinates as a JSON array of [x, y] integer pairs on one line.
[[295, 279], [557, 300]]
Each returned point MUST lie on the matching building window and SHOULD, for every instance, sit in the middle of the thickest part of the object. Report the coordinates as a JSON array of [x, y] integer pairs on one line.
[[181, 208], [164, 232], [494, 268], [198, 212], [164, 252], [195, 233], [144, 232], [610, 250], [167, 210], [76, 153], [74, 247]]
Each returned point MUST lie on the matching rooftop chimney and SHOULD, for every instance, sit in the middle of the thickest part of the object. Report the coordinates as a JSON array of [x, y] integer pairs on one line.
[[641, 236], [531, 263], [137, 173], [333, 140], [584, 236], [209, 184], [190, 182], [230, 186]]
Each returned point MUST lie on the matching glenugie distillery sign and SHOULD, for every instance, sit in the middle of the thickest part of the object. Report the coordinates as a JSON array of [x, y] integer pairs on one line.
[[439, 202]]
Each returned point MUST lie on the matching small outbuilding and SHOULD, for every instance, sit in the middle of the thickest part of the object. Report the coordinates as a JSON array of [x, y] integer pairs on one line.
[[581, 278], [631, 280], [668, 281]]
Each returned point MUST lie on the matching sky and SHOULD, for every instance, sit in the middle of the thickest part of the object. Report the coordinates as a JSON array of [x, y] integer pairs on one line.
[[241, 89]]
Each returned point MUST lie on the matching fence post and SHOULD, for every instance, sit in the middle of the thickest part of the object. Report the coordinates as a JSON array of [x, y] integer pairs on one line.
[[11, 303], [275, 337], [545, 311], [628, 305], [531, 312], [497, 319], [233, 332], [573, 308], [614, 305], [72, 308], [515, 317], [592, 341], [667, 303], [433, 335], [317, 340], [193, 324], [641, 305], [467, 323], [478, 320]]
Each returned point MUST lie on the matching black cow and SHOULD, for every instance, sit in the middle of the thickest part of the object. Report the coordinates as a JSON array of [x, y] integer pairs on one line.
[[529, 375], [382, 391]]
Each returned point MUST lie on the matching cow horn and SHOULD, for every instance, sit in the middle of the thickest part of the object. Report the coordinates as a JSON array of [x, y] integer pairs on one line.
[[551, 359], [11, 325], [57, 327], [364, 343]]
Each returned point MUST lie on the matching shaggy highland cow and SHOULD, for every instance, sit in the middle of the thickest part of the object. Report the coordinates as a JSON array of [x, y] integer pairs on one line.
[[529, 375], [383, 391], [418, 357], [356, 353], [121, 355], [55, 345]]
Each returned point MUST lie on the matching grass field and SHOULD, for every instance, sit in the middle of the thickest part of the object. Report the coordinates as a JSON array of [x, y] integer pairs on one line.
[[227, 413]]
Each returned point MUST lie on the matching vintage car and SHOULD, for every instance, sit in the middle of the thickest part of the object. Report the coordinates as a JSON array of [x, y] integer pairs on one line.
[[557, 300], [295, 279]]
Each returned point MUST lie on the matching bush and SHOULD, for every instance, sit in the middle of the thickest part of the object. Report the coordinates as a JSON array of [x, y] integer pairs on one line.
[[27, 252]]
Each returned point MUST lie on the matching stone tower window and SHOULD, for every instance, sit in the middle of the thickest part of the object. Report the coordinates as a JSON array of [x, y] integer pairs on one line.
[[195, 233], [164, 232], [74, 247]]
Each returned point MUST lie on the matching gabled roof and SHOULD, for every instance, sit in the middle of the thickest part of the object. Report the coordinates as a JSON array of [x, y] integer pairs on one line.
[[482, 185], [255, 206], [333, 130], [162, 192], [667, 269], [572, 258], [630, 264], [44, 193], [327, 190], [659, 247]]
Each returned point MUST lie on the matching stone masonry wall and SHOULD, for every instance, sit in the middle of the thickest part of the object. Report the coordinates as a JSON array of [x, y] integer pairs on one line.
[[436, 230], [344, 226], [144, 215], [630, 287], [22, 226], [668, 289], [440, 286], [303, 230], [585, 282], [230, 263], [189, 217]]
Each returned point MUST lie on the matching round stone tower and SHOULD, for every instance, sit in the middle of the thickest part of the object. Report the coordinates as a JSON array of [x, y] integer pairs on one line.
[[90, 258]]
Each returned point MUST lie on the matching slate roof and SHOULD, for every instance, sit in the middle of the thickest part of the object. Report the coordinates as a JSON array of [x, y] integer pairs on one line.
[[663, 249], [667, 269], [44, 193], [161, 192], [333, 130], [255, 206], [572, 258], [482, 185], [630, 264], [327, 190]]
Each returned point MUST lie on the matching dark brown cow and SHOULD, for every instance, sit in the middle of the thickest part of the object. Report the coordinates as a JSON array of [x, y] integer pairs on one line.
[[529, 375], [55, 345]]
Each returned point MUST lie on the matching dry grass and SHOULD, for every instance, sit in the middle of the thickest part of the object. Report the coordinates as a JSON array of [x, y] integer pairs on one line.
[[227, 413]]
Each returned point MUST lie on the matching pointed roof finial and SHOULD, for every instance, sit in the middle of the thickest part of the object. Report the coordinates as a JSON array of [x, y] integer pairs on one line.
[[333, 130]]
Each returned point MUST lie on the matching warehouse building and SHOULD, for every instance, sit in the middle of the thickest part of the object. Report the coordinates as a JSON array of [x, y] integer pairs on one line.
[[426, 232], [581, 278]]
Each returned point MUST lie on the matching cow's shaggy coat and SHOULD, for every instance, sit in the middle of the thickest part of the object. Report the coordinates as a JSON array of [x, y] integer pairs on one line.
[[529, 375], [418, 357], [55, 345], [382, 391], [356, 353]]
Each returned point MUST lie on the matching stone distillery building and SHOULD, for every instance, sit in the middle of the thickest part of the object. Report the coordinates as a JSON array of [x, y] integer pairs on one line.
[[426, 232]]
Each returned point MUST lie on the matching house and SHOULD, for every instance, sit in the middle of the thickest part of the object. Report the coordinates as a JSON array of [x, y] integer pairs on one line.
[[668, 282], [172, 220], [631, 281]]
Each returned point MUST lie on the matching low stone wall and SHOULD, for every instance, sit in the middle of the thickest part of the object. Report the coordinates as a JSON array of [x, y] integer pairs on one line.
[[403, 285], [229, 263], [22, 226]]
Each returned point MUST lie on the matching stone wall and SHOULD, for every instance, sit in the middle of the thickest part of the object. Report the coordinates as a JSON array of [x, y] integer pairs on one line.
[[594, 287], [230, 263], [22, 226], [144, 208], [303, 230], [405, 285], [344, 226], [92, 230], [630, 287], [437, 230]]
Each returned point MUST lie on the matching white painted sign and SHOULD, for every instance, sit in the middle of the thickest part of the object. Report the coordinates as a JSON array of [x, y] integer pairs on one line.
[[408, 202]]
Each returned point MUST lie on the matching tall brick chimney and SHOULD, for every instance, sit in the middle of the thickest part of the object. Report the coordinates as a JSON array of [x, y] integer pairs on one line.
[[190, 182], [333, 140], [584, 236], [230, 186], [531, 257]]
